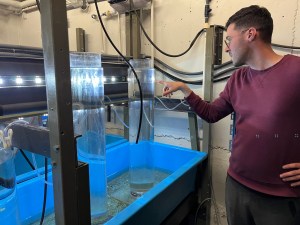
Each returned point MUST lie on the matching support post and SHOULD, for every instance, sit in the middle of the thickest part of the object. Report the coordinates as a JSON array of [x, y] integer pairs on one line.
[[67, 175], [205, 191]]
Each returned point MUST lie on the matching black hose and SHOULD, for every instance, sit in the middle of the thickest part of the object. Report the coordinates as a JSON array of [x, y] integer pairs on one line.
[[225, 71], [197, 82], [45, 184], [136, 77], [161, 51], [285, 46], [45, 192], [178, 71], [222, 65], [221, 79], [190, 73], [38, 5], [26, 158], [14, 49]]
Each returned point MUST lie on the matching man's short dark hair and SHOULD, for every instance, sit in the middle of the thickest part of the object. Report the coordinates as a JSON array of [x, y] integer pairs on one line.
[[254, 16]]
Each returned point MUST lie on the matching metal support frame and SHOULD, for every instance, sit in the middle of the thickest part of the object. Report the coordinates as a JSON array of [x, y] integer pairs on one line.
[[194, 134], [207, 82], [133, 40], [205, 192], [65, 169], [218, 44], [80, 39]]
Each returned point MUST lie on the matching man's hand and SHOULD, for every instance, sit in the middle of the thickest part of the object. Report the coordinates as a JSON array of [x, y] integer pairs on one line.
[[292, 176], [170, 87]]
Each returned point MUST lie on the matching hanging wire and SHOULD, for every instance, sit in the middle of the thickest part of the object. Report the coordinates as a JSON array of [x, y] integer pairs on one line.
[[161, 51], [167, 108], [116, 113], [127, 62], [38, 5]]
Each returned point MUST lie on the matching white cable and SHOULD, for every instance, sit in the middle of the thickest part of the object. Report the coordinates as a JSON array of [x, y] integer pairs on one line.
[[37, 170], [6, 135], [10, 124], [181, 102], [117, 113], [122, 120], [185, 104], [147, 118]]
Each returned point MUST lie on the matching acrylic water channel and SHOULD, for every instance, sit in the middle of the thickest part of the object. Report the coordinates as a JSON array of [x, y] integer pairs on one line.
[[175, 176]]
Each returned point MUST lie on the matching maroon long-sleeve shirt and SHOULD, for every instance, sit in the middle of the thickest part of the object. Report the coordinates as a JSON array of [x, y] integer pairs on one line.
[[267, 107]]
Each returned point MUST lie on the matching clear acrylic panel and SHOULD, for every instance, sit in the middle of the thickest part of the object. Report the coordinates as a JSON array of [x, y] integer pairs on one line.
[[141, 165], [89, 122]]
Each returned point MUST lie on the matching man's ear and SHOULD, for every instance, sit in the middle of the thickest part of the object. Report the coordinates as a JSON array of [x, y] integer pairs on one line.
[[251, 34]]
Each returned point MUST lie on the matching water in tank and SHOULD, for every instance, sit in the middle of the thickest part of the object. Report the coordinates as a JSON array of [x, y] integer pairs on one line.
[[88, 119], [141, 165], [9, 212]]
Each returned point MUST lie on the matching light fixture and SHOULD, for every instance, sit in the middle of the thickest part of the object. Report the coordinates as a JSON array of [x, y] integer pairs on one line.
[[38, 80], [19, 80]]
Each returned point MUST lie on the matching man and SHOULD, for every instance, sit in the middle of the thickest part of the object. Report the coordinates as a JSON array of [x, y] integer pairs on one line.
[[263, 182]]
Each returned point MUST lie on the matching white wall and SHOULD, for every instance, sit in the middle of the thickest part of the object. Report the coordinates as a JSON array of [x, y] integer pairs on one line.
[[175, 25], [10, 29]]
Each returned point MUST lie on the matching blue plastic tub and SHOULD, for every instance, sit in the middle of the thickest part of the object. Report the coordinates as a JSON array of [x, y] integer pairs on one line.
[[156, 204], [113, 140]]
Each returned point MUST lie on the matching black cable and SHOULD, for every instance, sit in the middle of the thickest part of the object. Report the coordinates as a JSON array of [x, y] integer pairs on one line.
[[45, 192], [216, 67], [161, 51], [178, 71], [221, 27], [12, 49], [221, 79], [45, 184], [26, 158], [197, 82], [285, 46], [199, 207], [225, 71], [127, 62], [190, 73], [38, 5]]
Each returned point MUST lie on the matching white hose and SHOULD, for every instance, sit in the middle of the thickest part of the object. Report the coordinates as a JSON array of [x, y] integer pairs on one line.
[[119, 118], [181, 102], [37, 170]]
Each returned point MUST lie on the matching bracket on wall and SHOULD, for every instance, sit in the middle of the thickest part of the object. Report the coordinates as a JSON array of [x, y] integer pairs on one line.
[[218, 44]]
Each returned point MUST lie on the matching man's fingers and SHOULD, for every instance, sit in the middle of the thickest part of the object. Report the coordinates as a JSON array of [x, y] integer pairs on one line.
[[291, 166]]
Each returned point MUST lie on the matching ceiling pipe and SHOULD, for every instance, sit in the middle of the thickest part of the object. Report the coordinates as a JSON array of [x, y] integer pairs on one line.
[[32, 8]]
